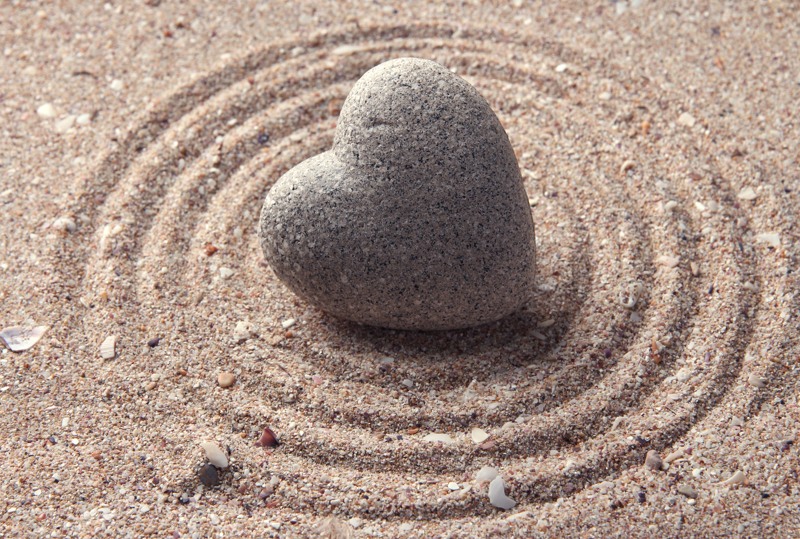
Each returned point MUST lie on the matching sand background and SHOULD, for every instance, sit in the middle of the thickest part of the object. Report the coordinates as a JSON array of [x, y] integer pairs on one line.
[[639, 126]]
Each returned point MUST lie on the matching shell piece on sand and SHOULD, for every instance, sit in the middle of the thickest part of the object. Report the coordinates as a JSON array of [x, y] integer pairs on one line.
[[438, 437], [479, 435], [108, 348], [487, 473], [215, 455], [497, 494], [21, 338]]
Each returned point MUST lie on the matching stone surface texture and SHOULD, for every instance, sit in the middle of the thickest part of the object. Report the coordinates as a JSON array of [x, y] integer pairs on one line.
[[417, 218]]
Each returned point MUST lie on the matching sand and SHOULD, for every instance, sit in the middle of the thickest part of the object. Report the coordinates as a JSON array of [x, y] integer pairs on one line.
[[659, 145]]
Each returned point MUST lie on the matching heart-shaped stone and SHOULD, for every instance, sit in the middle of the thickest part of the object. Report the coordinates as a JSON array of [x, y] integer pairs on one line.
[[417, 218]]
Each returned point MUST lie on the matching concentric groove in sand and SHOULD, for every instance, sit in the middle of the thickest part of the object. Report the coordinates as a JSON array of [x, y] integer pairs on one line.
[[577, 384]]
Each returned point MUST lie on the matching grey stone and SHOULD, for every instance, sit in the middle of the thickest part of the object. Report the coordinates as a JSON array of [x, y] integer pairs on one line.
[[417, 218]]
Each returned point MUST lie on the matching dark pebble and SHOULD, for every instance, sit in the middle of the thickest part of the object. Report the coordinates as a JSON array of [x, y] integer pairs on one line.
[[152, 343], [263, 138], [641, 497], [209, 475]]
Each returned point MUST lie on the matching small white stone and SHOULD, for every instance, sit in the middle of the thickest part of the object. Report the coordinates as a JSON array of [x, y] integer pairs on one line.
[[215, 455], [244, 330], [686, 120], [771, 238], [452, 485], [479, 435], [289, 322], [355, 522], [747, 194], [757, 381], [438, 437], [497, 494], [669, 261], [487, 473], [560, 68], [65, 124], [116, 85], [108, 348], [46, 111], [225, 273], [64, 224], [83, 119]]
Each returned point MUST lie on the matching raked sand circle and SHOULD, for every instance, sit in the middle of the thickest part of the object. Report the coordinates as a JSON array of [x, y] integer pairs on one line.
[[656, 279]]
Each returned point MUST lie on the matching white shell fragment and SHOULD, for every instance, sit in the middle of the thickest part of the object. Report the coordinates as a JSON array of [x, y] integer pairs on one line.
[[438, 437], [215, 455], [497, 495], [108, 348], [736, 479], [46, 111], [686, 120], [21, 338], [773, 239], [669, 261], [289, 322], [747, 194], [479, 435], [757, 381], [487, 473]]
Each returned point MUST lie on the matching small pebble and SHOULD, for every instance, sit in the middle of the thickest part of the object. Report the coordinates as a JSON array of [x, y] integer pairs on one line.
[[757, 381], [65, 124], [209, 475], [668, 261], [244, 330], [64, 224], [747, 194], [687, 491], [46, 111], [83, 119], [215, 455], [772, 239], [653, 460], [289, 322], [152, 343], [108, 348], [225, 273], [686, 120], [452, 485], [116, 85], [226, 379]]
